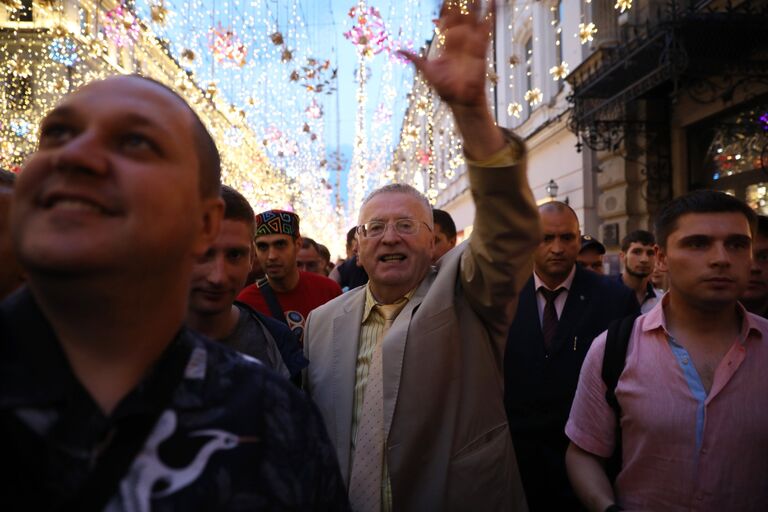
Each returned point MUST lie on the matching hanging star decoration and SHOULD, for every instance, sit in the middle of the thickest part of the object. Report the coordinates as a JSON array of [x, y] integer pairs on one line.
[[587, 32], [314, 111], [534, 96], [121, 27], [623, 5], [158, 12], [277, 38], [513, 61], [317, 76], [559, 72], [188, 56], [287, 55], [369, 35], [227, 48], [493, 77], [515, 109]]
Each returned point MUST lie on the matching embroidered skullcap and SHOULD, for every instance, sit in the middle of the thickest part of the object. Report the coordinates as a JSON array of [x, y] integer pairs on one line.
[[277, 222]]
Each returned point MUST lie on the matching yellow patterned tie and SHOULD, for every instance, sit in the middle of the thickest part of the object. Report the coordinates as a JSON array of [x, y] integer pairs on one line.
[[367, 462]]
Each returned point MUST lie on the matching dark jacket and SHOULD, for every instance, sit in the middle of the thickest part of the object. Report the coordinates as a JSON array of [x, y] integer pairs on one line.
[[539, 387]]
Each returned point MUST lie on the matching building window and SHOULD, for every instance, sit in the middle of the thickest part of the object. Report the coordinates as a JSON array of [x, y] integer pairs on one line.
[[84, 21], [23, 13]]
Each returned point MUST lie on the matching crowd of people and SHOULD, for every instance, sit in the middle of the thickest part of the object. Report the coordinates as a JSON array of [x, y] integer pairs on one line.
[[165, 347]]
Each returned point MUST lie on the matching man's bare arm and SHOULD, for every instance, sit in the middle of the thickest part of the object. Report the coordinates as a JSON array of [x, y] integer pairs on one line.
[[588, 478]]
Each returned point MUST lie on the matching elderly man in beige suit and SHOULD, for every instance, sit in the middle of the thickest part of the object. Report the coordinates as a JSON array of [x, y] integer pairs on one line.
[[407, 370]]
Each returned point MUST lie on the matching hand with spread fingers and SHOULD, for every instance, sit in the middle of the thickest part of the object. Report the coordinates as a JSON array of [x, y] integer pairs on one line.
[[458, 73]]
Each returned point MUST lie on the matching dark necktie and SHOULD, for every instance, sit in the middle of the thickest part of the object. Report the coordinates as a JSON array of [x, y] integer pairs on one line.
[[549, 320]]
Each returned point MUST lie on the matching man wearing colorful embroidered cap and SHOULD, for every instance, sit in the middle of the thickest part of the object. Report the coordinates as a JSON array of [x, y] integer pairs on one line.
[[285, 292], [692, 402]]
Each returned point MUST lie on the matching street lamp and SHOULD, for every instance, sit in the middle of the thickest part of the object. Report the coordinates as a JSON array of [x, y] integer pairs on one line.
[[551, 189]]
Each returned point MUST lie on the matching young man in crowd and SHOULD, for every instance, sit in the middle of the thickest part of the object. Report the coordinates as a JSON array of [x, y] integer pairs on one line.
[[217, 278], [106, 400], [693, 422], [285, 292], [755, 297], [562, 308], [445, 233], [590, 255], [407, 371], [639, 259], [350, 274], [308, 259], [11, 275]]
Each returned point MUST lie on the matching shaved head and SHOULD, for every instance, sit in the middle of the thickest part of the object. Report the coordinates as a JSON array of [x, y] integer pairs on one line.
[[557, 207]]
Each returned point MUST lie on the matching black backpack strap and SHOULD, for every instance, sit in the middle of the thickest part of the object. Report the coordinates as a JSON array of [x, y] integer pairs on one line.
[[614, 360], [272, 303], [615, 356]]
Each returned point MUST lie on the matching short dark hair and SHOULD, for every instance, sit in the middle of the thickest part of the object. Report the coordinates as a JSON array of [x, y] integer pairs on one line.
[[638, 236], [7, 178], [307, 242], [205, 147], [445, 221], [236, 207], [324, 252], [351, 236], [698, 201]]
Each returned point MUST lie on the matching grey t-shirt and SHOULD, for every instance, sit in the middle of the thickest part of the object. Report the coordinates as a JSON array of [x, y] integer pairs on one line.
[[251, 338]]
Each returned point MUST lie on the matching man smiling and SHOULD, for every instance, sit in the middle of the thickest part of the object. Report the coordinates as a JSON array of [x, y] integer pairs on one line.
[[106, 400], [407, 369]]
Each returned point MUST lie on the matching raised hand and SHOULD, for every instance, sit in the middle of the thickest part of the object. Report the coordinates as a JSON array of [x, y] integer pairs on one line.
[[458, 74]]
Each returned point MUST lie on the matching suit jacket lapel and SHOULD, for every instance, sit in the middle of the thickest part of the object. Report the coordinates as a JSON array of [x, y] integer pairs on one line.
[[346, 335], [393, 347]]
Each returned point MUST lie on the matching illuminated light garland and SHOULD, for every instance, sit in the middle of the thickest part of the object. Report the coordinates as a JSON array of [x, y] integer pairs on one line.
[[623, 5], [121, 27], [261, 88], [587, 32], [63, 51], [227, 48]]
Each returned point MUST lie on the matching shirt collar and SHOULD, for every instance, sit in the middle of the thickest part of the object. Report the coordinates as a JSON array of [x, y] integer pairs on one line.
[[655, 319], [538, 283], [370, 301]]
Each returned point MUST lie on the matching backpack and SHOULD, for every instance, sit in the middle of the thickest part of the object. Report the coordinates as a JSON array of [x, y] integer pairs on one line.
[[614, 359]]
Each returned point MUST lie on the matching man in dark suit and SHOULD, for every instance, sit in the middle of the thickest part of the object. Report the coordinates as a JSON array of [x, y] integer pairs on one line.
[[562, 308]]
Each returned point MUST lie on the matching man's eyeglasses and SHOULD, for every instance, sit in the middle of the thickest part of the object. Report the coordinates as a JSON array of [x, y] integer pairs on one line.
[[377, 228]]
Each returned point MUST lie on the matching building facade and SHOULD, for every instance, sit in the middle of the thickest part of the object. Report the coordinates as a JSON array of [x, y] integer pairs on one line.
[[624, 105]]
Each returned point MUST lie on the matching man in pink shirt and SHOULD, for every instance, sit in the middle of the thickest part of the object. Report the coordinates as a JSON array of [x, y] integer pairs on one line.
[[692, 395]]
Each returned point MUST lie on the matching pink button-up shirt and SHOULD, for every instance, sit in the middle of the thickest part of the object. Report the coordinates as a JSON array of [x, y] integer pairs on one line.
[[683, 449]]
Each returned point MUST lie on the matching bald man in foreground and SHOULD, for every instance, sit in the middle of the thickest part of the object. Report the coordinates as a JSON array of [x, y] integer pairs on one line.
[[562, 308], [107, 402]]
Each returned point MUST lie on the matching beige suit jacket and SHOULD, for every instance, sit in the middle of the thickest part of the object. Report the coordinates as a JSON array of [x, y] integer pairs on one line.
[[448, 444]]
